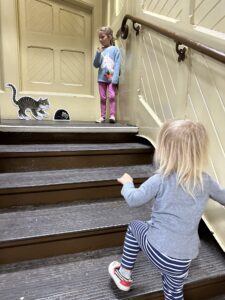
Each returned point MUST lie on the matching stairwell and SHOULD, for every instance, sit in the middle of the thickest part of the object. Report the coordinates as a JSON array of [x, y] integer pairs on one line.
[[63, 220]]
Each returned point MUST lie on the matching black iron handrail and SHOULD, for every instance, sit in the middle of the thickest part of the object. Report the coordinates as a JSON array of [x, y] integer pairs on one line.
[[179, 39]]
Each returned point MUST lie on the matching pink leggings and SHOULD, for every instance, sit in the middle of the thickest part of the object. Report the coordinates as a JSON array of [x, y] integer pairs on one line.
[[112, 90]]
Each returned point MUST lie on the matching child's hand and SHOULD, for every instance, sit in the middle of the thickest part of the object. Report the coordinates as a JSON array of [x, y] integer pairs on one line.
[[99, 49], [125, 178]]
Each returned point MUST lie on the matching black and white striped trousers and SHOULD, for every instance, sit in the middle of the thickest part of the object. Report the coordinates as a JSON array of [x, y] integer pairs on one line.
[[173, 271]]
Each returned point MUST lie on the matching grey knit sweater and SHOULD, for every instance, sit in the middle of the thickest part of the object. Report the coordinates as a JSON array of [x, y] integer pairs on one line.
[[173, 225]]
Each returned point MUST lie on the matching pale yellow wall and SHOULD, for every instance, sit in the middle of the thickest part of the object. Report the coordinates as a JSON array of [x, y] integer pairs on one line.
[[154, 87], [25, 46]]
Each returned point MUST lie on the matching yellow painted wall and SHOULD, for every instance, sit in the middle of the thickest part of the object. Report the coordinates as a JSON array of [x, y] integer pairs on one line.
[[46, 51], [155, 87]]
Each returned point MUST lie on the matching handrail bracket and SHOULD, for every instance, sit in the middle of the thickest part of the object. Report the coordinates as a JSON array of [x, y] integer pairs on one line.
[[125, 29], [180, 51], [136, 28]]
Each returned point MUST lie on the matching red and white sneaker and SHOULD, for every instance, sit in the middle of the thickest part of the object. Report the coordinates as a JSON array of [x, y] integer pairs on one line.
[[122, 283]]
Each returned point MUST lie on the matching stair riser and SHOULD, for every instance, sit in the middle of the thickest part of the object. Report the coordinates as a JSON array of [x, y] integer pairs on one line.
[[47, 248], [204, 290], [61, 193], [36, 197], [65, 138], [69, 161]]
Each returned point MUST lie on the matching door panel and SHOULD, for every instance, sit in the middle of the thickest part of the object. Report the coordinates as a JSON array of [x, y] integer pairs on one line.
[[55, 40]]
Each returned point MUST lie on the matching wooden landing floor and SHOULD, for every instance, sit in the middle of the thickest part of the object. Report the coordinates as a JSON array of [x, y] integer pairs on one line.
[[63, 126]]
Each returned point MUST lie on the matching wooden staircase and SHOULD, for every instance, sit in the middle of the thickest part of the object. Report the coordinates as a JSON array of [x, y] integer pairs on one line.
[[63, 220]]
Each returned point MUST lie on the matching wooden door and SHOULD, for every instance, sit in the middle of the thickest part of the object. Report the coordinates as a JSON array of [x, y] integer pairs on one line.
[[55, 44]]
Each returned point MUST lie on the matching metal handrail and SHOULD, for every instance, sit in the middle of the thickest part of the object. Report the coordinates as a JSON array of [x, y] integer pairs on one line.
[[179, 39]]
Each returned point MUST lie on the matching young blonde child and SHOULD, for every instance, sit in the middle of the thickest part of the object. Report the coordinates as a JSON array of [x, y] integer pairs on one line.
[[107, 60], [180, 190]]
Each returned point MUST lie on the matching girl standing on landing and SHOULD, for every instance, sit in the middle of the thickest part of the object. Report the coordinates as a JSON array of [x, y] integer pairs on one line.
[[107, 60], [180, 190]]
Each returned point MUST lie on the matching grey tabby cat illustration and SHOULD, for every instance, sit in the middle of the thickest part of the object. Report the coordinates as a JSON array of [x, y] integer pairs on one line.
[[37, 107]]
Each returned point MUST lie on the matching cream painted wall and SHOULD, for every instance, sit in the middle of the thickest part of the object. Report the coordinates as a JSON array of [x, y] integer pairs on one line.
[[81, 105], [155, 87]]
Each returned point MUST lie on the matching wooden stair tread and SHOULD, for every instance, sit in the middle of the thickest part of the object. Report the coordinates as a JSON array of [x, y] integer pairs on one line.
[[34, 148], [35, 222], [71, 176], [64, 126], [84, 276]]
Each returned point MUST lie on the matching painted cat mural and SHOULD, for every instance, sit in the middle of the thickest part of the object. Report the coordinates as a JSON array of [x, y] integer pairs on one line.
[[36, 107]]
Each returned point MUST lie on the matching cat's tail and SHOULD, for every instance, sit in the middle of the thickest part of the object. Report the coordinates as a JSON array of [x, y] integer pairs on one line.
[[14, 92]]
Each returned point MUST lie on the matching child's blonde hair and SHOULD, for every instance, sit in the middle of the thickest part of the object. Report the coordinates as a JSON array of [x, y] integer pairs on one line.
[[109, 32], [182, 148]]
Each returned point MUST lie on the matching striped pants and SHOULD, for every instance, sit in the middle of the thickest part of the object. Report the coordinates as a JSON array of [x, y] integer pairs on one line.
[[173, 271]]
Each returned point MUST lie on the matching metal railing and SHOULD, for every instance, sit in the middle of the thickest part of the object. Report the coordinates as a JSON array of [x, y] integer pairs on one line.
[[179, 39]]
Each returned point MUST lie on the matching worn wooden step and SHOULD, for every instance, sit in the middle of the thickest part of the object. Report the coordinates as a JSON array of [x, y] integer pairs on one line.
[[38, 157], [64, 126], [84, 276], [45, 187], [23, 132], [37, 232]]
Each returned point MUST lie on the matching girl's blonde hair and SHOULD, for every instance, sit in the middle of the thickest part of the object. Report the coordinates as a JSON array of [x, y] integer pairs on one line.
[[109, 32], [183, 149]]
